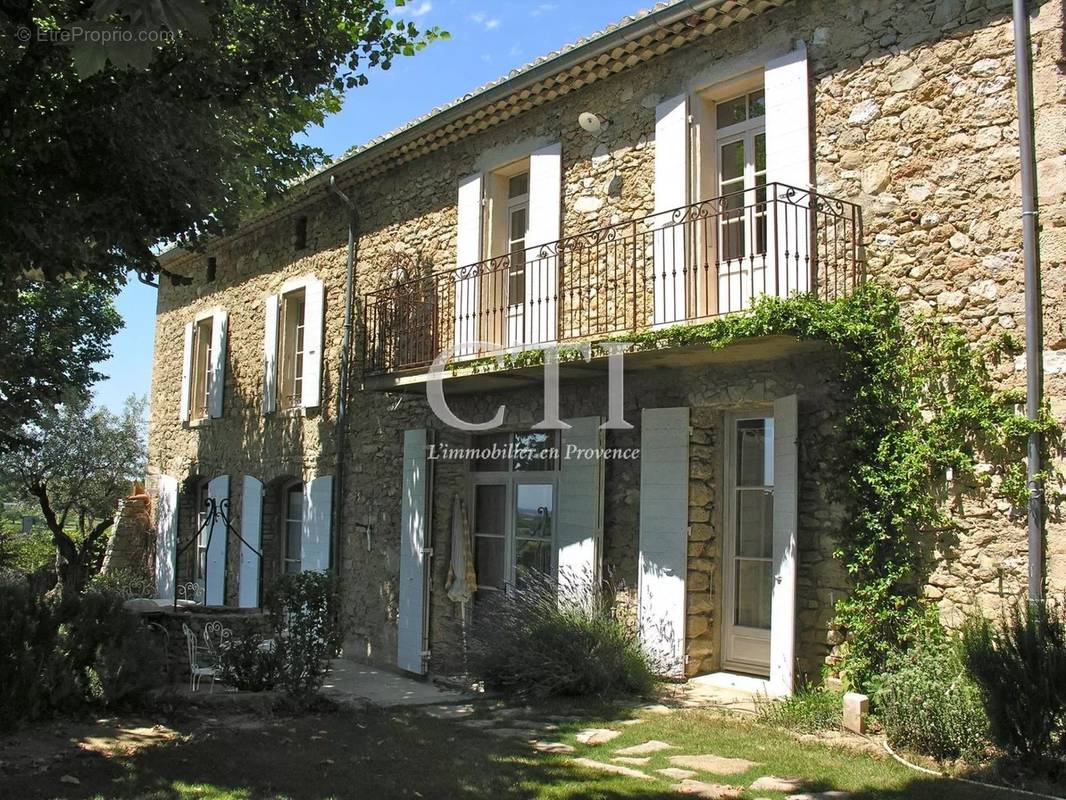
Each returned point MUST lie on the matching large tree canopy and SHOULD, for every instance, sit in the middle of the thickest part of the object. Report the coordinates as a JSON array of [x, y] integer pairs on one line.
[[52, 334], [106, 151]]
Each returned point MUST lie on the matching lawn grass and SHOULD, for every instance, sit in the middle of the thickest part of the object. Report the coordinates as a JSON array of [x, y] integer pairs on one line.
[[379, 754]]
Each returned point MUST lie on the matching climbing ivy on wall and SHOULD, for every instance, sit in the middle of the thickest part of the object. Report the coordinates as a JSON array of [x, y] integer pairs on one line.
[[920, 403]]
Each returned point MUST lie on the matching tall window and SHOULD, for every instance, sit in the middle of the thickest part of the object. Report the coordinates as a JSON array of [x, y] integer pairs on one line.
[[292, 524], [202, 532], [515, 482], [517, 228], [741, 142], [291, 353], [200, 385]]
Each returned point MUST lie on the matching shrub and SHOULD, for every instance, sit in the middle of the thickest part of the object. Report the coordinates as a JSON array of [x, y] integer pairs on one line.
[[125, 583], [249, 666], [305, 610], [809, 710], [60, 655], [540, 641], [928, 703], [111, 655], [29, 631], [1020, 665]]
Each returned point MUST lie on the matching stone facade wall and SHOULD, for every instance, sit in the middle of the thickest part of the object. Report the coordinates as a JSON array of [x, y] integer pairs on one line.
[[914, 118], [131, 547]]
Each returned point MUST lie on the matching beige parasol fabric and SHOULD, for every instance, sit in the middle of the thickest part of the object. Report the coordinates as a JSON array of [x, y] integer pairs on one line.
[[462, 579]]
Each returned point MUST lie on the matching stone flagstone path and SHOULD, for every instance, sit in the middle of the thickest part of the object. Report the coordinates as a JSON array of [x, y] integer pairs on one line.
[[685, 769]]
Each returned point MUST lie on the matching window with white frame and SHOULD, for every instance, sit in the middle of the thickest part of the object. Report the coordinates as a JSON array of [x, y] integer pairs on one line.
[[292, 528], [292, 312], [517, 229], [515, 483], [203, 531], [740, 137], [200, 383]]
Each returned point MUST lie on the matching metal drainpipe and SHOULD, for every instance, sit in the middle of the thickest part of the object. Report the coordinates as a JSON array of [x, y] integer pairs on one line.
[[342, 391], [1034, 344]]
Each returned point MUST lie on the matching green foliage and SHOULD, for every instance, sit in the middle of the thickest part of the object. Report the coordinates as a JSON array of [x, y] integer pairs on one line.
[[810, 710], [29, 669], [1020, 665], [541, 641], [248, 665], [24, 553], [110, 654], [920, 402], [305, 609], [60, 655], [175, 141], [124, 583], [76, 464], [53, 337], [928, 703]]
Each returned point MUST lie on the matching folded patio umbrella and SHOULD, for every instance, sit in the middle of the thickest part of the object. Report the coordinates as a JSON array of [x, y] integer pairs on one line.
[[462, 580]]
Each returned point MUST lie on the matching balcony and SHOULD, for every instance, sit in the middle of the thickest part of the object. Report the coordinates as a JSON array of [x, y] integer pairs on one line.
[[683, 266]]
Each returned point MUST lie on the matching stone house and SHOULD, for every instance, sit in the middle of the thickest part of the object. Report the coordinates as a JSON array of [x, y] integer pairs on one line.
[[664, 171]]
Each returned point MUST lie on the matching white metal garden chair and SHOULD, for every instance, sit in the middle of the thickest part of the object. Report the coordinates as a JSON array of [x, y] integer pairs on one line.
[[198, 668]]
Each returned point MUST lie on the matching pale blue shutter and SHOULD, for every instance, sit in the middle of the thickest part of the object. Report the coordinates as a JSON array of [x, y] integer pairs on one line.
[[166, 532], [315, 532], [217, 490], [251, 532], [663, 563], [414, 562], [785, 549]]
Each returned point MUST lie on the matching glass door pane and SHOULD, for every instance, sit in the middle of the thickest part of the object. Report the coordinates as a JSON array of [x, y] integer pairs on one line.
[[534, 513], [731, 160], [490, 509], [753, 536]]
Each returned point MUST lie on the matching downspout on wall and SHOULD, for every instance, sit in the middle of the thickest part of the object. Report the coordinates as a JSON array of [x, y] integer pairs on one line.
[[342, 390], [1034, 336]]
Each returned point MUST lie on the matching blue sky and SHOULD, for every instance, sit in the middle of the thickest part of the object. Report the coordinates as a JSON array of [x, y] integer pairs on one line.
[[488, 40]]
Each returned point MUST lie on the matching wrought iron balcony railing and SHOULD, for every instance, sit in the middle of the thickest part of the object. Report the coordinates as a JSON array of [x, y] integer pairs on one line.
[[687, 265]]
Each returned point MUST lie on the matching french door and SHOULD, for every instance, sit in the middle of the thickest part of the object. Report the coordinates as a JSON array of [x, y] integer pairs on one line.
[[741, 247], [748, 575], [514, 528]]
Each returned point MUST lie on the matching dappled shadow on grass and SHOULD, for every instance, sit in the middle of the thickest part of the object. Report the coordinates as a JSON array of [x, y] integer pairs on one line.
[[379, 754]]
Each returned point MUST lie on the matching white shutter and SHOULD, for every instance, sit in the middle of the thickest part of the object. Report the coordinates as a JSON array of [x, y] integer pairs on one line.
[[186, 374], [315, 534], [785, 551], [314, 309], [663, 564], [788, 161], [166, 537], [251, 533], [580, 505], [215, 589], [414, 565], [270, 356], [671, 192], [545, 190], [468, 252], [217, 367]]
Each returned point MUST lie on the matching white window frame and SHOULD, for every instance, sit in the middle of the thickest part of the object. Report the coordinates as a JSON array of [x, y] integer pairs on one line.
[[203, 492], [295, 487], [510, 479], [291, 361], [201, 378], [516, 268], [729, 534], [744, 132]]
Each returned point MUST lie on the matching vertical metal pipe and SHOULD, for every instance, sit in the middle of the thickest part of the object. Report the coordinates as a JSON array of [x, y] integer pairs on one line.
[[1034, 345]]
